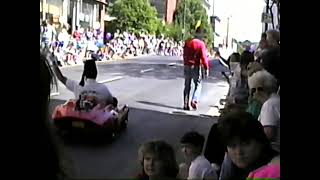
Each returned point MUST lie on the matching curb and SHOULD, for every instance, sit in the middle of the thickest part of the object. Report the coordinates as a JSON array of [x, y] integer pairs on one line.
[[118, 58]]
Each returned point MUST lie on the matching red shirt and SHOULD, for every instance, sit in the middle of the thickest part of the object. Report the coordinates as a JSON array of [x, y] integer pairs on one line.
[[195, 53]]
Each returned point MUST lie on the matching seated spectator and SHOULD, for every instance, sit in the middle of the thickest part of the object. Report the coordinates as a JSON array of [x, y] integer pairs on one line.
[[158, 161], [247, 145], [254, 105], [200, 168], [263, 87]]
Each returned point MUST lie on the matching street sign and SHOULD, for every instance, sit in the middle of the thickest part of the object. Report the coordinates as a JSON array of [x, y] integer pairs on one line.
[[266, 18]]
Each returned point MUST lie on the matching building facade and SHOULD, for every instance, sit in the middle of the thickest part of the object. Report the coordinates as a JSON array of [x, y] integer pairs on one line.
[[165, 9], [267, 20], [74, 13]]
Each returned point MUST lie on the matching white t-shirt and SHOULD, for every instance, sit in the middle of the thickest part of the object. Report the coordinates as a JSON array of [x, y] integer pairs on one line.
[[101, 91], [270, 116], [201, 168]]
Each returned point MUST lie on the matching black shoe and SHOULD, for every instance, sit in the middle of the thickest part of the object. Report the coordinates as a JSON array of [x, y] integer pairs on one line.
[[187, 108]]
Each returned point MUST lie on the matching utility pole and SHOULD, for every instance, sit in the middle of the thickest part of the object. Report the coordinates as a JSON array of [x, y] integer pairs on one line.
[[227, 38], [44, 4], [267, 12], [184, 19]]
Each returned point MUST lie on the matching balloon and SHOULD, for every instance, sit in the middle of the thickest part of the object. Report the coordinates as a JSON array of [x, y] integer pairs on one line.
[[108, 36]]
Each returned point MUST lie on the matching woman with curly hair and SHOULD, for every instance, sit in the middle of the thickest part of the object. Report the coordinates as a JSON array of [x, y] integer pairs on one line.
[[158, 161]]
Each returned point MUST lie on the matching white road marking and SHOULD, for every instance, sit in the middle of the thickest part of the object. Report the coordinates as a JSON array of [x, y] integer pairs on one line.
[[183, 112], [54, 94], [146, 70], [111, 79]]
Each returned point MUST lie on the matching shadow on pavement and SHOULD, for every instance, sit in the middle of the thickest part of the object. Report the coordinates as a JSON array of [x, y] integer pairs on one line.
[[159, 104]]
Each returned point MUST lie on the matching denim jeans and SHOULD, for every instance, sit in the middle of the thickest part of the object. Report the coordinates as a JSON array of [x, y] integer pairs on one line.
[[192, 73]]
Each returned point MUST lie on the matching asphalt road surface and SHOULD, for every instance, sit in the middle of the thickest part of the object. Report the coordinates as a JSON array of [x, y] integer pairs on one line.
[[152, 86]]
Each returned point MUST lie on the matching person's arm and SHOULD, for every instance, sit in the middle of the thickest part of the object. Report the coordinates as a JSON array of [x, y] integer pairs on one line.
[[194, 173], [204, 59], [269, 119], [58, 73], [223, 62], [271, 132]]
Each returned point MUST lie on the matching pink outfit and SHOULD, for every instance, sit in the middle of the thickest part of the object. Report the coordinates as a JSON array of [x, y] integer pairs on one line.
[[270, 171]]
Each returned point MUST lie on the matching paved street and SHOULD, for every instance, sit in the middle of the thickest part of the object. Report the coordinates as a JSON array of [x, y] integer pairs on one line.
[[152, 86]]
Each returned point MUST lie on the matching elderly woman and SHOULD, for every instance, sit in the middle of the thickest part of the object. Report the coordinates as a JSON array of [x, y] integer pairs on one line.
[[263, 87], [254, 105], [158, 161]]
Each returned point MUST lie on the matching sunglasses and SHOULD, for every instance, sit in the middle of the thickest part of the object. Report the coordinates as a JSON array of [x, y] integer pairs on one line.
[[253, 90]]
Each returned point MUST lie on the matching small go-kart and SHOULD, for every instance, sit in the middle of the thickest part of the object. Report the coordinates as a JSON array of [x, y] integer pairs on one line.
[[100, 121]]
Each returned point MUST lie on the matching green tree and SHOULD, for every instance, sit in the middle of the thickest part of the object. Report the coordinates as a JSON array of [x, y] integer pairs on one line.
[[189, 12], [173, 31], [134, 15]]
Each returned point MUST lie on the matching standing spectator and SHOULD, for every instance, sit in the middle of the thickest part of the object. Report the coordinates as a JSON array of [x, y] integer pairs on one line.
[[200, 168], [54, 164], [235, 78], [263, 86], [270, 59], [194, 56], [262, 46], [141, 44], [225, 65], [77, 34], [48, 34], [63, 38], [158, 161], [273, 38], [242, 92], [161, 47]]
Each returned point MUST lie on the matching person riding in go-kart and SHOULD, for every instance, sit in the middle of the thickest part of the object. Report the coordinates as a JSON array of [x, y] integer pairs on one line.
[[94, 107]]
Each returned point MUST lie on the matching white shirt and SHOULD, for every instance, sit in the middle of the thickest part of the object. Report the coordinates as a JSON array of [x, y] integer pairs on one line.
[[101, 91], [270, 116], [201, 168]]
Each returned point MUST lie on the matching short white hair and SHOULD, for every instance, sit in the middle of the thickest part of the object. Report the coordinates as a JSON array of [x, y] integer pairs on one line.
[[263, 79]]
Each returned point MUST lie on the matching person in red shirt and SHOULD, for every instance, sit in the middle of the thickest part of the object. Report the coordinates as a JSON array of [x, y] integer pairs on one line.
[[195, 66]]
